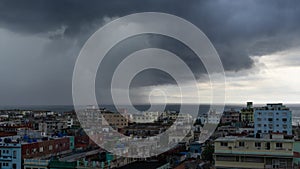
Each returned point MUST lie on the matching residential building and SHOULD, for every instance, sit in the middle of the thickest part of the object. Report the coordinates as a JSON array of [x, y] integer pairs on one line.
[[247, 113], [70, 122], [145, 117], [115, 119], [253, 153], [213, 117], [33, 148], [273, 118], [15, 148], [195, 149], [230, 116], [10, 153]]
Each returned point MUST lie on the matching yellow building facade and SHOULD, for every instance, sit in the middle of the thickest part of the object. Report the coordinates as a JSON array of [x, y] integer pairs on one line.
[[254, 153]]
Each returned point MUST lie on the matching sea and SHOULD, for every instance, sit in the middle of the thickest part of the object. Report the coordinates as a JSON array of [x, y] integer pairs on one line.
[[203, 108]]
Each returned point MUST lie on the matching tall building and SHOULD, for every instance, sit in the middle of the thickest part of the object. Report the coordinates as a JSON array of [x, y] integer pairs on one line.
[[247, 113], [275, 118], [253, 153]]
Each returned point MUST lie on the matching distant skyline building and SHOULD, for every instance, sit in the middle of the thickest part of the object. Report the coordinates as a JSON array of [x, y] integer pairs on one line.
[[273, 118], [230, 116], [247, 113]]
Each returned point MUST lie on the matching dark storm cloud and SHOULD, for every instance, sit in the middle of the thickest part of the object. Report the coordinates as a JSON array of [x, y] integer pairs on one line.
[[238, 29]]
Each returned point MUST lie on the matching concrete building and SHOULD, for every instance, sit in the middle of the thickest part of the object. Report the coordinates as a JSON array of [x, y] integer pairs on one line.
[[273, 118], [115, 119], [10, 153], [230, 116], [145, 117], [15, 148], [70, 122], [253, 153], [213, 117], [32, 148], [247, 113]]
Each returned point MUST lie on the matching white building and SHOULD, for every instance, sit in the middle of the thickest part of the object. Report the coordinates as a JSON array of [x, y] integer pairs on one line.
[[145, 117], [213, 117]]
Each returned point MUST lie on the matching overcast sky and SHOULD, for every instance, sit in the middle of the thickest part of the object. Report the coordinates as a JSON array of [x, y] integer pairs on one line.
[[258, 43]]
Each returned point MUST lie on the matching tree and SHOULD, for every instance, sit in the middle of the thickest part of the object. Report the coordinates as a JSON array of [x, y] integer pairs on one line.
[[208, 152]]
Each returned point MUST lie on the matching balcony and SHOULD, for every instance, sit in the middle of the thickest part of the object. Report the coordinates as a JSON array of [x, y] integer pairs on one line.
[[239, 164], [5, 158], [36, 162], [255, 151]]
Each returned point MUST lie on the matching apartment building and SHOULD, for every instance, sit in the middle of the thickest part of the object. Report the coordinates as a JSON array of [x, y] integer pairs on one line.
[[275, 118], [145, 117], [116, 120], [247, 113], [230, 116], [10, 153], [254, 153]]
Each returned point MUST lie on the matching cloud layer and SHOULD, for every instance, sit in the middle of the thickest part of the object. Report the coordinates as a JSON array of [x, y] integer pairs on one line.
[[40, 39]]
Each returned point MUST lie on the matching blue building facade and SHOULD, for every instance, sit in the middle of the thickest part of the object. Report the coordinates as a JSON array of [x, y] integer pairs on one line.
[[273, 118], [10, 153]]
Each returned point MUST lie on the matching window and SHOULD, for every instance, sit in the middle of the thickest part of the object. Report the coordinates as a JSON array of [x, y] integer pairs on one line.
[[268, 146], [279, 145], [242, 144], [257, 144], [224, 144], [50, 147], [14, 154], [226, 158], [14, 166]]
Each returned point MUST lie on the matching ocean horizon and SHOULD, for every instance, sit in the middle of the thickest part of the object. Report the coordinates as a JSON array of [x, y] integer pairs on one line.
[[203, 108]]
